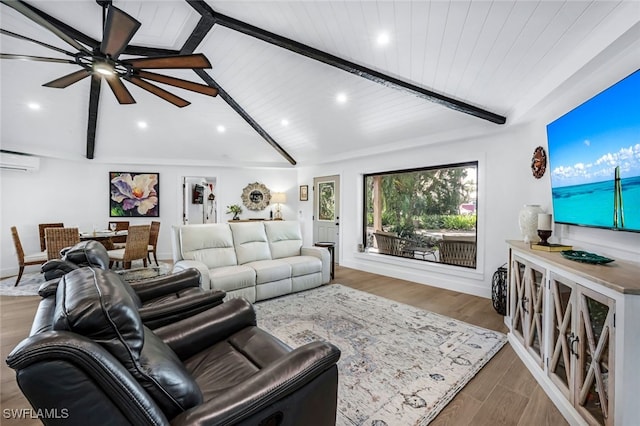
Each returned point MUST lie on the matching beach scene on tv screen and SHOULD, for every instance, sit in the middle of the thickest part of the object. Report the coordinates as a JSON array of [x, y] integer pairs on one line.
[[594, 158]]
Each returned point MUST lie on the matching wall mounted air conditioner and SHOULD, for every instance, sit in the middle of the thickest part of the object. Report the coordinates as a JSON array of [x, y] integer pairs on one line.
[[19, 162]]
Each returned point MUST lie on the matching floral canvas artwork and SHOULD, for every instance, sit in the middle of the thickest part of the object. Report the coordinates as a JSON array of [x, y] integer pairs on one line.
[[134, 194]]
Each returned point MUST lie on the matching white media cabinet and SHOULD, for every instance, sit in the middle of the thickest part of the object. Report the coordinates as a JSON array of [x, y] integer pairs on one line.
[[576, 326]]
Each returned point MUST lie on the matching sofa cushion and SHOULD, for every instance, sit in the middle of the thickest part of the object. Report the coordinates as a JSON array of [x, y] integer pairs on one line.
[[229, 278], [211, 244], [270, 270], [96, 304], [285, 238], [250, 241], [303, 265]]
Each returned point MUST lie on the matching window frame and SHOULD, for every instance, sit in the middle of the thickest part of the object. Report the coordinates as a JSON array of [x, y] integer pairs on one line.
[[473, 163]]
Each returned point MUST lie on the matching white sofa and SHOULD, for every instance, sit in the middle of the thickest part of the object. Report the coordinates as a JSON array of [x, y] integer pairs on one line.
[[255, 260]]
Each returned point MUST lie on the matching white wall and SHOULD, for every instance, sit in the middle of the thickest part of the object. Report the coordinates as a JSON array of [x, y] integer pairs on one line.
[[77, 193], [505, 185]]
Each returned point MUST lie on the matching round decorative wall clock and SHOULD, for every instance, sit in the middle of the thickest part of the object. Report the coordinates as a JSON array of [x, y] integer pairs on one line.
[[539, 162], [256, 196]]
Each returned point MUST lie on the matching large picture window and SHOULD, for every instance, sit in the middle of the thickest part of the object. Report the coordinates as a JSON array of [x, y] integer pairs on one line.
[[427, 214]]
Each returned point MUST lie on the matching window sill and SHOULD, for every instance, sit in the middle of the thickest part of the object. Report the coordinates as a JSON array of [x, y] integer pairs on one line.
[[421, 265]]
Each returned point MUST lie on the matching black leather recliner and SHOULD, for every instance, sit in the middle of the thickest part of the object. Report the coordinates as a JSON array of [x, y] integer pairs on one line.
[[91, 360], [160, 300]]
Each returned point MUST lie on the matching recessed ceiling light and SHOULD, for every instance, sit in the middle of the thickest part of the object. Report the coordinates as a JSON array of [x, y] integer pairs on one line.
[[142, 124], [221, 129], [284, 122], [341, 98], [34, 106], [383, 39]]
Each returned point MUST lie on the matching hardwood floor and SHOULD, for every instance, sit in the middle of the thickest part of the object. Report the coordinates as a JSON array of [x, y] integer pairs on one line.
[[502, 393]]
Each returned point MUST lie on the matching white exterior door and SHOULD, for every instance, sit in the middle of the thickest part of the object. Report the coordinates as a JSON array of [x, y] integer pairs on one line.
[[326, 210]]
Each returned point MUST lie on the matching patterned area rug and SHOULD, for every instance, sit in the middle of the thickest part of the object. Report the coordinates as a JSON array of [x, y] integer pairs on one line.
[[400, 365], [30, 283]]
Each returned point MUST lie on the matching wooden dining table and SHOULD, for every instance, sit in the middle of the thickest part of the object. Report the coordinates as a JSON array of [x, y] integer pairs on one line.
[[104, 237]]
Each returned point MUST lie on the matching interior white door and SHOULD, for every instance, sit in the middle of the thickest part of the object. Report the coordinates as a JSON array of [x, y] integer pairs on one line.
[[326, 210], [199, 200]]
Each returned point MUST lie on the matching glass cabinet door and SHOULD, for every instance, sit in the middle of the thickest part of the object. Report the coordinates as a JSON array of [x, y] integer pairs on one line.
[[594, 375], [518, 294], [527, 322], [563, 339]]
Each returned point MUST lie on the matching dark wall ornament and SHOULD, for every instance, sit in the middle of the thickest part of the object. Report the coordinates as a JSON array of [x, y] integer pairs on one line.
[[539, 162], [256, 196]]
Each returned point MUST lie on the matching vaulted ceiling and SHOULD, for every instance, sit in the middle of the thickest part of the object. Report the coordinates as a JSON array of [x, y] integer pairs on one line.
[[495, 58]]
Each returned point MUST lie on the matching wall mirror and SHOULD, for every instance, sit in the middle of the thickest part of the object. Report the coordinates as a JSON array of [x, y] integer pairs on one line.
[[256, 196]]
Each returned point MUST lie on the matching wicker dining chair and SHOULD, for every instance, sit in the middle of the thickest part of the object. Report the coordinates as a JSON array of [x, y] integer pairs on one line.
[[60, 238], [136, 247], [153, 241], [119, 240], [28, 259], [42, 227]]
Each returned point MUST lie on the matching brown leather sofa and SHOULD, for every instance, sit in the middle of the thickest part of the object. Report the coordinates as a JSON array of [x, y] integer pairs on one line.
[[90, 360], [160, 300]]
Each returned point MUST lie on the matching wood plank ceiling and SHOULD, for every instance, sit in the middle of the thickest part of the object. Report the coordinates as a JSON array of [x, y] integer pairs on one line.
[[488, 56]]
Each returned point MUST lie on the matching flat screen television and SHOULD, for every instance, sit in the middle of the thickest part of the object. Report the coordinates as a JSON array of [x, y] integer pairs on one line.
[[594, 158]]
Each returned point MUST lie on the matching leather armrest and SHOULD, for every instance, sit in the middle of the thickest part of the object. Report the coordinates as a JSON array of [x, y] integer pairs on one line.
[[162, 312], [153, 288], [194, 334], [270, 384], [56, 268], [48, 288], [53, 349]]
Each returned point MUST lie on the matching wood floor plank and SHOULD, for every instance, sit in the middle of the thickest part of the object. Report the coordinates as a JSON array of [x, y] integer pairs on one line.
[[539, 413], [502, 393], [503, 407]]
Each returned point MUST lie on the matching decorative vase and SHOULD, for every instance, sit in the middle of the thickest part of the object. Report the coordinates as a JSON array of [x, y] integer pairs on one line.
[[528, 220], [235, 217]]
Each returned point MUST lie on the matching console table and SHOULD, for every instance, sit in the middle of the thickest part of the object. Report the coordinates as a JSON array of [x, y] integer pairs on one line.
[[574, 325]]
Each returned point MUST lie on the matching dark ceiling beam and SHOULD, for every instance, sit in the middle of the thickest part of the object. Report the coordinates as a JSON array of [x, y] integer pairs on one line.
[[344, 65], [238, 109], [199, 33], [94, 99]]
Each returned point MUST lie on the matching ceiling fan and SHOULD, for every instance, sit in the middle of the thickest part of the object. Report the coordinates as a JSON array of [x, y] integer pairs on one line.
[[104, 59]]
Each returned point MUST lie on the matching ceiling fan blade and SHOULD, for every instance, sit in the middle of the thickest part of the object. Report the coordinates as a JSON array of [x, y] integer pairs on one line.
[[121, 92], [35, 58], [118, 32], [27, 11], [68, 80], [177, 82], [21, 37], [169, 97], [197, 60]]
